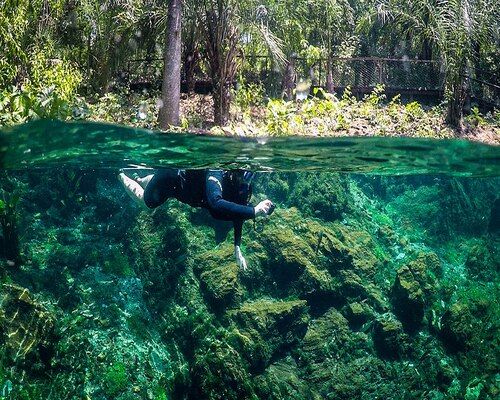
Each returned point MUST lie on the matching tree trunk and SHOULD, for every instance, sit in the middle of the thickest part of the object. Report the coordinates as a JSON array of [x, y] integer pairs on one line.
[[221, 48], [426, 53], [190, 56], [289, 79], [457, 92], [171, 86], [330, 88], [222, 102], [456, 104]]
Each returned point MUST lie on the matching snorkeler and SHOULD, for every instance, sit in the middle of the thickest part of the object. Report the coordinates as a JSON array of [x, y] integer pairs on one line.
[[225, 194]]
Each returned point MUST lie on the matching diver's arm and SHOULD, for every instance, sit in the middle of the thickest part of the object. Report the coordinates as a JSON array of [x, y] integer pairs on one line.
[[238, 228], [240, 260], [264, 207], [230, 210]]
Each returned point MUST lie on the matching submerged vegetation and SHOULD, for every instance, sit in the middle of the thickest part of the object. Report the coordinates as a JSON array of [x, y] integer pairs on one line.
[[358, 287]]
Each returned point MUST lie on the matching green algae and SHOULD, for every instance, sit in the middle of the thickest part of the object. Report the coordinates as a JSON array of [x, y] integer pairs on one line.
[[118, 264], [115, 380]]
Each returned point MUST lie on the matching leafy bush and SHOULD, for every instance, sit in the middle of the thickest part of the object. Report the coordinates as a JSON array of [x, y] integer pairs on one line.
[[249, 95], [18, 105], [60, 75], [279, 116], [49, 91], [475, 118]]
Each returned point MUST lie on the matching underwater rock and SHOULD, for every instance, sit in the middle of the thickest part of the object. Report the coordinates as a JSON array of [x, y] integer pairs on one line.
[[361, 249], [218, 274], [326, 347], [389, 338], [494, 225], [325, 337], [358, 313], [324, 196], [159, 247], [221, 284], [353, 287], [267, 327], [466, 323], [412, 289], [408, 298], [281, 381], [26, 327], [482, 262], [292, 263], [219, 372]]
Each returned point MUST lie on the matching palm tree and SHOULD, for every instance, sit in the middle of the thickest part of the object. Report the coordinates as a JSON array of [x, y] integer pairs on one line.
[[452, 28], [219, 27]]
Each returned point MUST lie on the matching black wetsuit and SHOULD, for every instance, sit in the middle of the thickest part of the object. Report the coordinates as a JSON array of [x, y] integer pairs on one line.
[[225, 197]]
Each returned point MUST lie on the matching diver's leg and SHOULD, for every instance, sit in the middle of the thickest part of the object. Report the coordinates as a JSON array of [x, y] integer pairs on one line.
[[162, 186], [133, 189], [144, 181]]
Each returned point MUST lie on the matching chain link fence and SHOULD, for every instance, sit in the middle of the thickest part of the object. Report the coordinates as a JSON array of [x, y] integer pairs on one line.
[[486, 94], [360, 74]]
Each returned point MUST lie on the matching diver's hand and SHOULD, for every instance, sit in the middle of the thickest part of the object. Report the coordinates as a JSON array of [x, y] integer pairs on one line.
[[263, 207], [240, 260]]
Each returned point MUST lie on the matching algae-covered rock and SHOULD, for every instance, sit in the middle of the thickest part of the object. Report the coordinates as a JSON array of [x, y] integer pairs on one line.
[[353, 287], [219, 273], [369, 377], [221, 284], [358, 313], [267, 327], [360, 249], [323, 195], [408, 298], [159, 248], [219, 373], [294, 264], [462, 325], [281, 381], [413, 288], [389, 338], [26, 327], [483, 262], [327, 336]]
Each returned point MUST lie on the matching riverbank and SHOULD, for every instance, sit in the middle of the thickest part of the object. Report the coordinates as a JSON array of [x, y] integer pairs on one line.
[[253, 116]]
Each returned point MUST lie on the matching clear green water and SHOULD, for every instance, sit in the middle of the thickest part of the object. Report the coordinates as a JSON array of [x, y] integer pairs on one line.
[[91, 145], [376, 277]]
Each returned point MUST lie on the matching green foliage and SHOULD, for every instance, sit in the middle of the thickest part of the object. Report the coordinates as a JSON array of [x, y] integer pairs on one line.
[[249, 95], [280, 118], [376, 96], [61, 76], [21, 105], [413, 111], [475, 118]]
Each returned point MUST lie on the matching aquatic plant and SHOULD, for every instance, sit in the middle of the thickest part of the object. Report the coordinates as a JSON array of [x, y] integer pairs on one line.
[[118, 264], [9, 241], [115, 379]]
